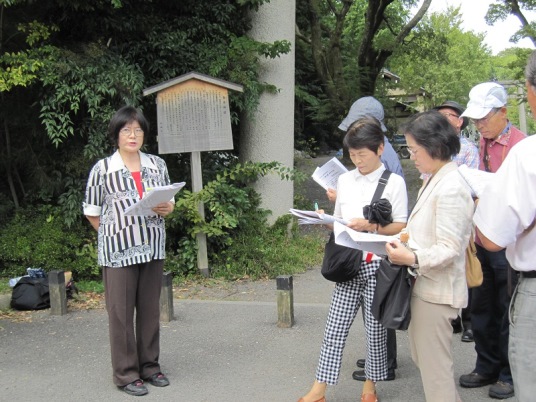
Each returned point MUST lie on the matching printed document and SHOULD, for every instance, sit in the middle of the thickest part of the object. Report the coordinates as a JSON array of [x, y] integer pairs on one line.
[[152, 198], [314, 218], [374, 243], [328, 174]]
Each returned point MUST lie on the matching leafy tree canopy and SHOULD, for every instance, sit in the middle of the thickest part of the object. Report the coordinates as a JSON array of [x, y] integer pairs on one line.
[[67, 65]]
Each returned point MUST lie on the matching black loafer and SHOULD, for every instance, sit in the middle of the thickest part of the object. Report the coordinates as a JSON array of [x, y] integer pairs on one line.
[[158, 380], [467, 336], [501, 390], [136, 388], [475, 380], [359, 375], [360, 363]]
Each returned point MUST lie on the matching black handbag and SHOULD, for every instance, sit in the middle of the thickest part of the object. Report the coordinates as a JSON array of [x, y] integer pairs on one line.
[[340, 263], [392, 296]]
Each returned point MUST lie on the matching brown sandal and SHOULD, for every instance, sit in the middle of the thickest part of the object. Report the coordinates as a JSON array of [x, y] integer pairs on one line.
[[369, 397]]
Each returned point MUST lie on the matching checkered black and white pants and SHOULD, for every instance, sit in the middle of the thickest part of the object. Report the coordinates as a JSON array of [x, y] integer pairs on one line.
[[345, 302]]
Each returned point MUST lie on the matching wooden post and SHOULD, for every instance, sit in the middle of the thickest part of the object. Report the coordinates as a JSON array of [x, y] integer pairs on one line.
[[194, 116], [197, 185], [58, 294], [285, 301], [166, 298], [522, 111]]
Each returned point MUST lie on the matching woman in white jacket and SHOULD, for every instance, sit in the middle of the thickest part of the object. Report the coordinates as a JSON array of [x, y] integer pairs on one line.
[[440, 224]]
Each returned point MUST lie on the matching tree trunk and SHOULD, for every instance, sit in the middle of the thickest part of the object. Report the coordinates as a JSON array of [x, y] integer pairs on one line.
[[516, 10], [7, 164], [327, 55], [371, 60]]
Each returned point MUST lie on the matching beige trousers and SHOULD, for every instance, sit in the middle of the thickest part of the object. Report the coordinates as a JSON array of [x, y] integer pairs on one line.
[[430, 337]]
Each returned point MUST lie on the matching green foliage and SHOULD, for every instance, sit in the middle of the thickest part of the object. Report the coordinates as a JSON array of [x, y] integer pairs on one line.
[[17, 69], [231, 206], [266, 252], [443, 59], [500, 10], [76, 85], [37, 237], [309, 146], [226, 197], [4, 285], [90, 286], [62, 77]]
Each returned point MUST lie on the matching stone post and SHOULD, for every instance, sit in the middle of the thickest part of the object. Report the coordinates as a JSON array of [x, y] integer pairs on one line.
[[58, 294], [285, 301], [166, 298]]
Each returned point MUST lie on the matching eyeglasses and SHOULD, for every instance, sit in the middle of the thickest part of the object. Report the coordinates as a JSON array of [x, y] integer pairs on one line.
[[485, 120], [413, 152], [125, 132], [447, 115]]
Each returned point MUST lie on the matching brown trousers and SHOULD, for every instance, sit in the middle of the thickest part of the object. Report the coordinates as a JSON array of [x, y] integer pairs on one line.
[[135, 349]]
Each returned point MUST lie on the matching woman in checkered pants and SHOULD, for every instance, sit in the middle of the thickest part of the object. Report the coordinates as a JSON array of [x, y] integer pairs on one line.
[[355, 189]]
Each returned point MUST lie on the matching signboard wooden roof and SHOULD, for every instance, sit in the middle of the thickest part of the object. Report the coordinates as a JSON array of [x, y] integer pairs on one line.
[[193, 113]]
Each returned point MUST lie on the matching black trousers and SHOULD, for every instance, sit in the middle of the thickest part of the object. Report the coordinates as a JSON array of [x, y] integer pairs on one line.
[[391, 349], [489, 316], [134, 290]]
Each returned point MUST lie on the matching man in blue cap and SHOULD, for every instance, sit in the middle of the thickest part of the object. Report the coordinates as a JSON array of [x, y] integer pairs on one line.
[[370, 106]]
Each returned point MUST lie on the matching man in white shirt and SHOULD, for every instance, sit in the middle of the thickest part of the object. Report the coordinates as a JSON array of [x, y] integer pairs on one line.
[[506, 218]]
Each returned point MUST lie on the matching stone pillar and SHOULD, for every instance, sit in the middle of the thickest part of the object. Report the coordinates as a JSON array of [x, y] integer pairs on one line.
[[166, 298], [285, 301], [268, 135], [58, 293]]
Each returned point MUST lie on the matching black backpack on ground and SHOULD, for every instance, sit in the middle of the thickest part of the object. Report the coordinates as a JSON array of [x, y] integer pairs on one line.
[[30, 294]]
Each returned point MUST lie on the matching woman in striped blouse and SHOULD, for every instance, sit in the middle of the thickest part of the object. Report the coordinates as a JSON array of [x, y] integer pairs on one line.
[[131, 250]]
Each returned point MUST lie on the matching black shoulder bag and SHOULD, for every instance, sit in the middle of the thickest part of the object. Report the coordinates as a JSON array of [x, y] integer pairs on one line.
[[342, 263], [30, 294], [392, 295]]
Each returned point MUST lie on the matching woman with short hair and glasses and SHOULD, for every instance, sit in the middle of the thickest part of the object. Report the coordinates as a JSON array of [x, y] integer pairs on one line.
[[131, 250], [439, 226]]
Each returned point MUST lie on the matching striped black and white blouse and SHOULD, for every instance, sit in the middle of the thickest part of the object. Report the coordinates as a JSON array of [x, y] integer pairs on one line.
[[125, 240]]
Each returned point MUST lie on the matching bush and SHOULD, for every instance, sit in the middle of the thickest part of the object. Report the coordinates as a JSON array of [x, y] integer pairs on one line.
[[266, 252], [231, 207], [38, 237]]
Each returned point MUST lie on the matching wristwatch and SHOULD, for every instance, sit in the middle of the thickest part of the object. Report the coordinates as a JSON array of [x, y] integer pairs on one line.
[[415, 265]]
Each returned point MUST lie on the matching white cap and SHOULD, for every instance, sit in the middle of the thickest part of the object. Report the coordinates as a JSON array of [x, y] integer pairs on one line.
[[363, 107], [483, 98]]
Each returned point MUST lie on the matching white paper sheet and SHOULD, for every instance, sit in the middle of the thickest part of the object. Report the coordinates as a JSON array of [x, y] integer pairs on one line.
[[373, 243], [476, 179], [328, 174], [152, 198], [314, 218]]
